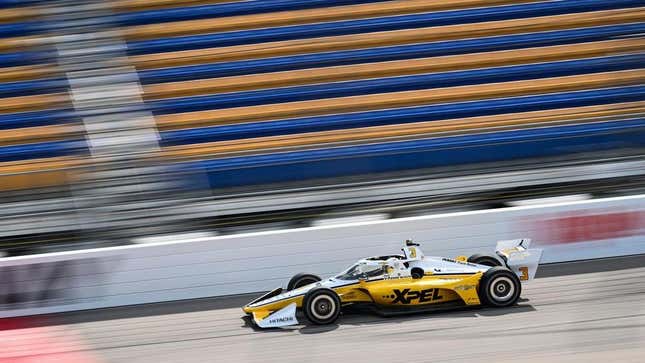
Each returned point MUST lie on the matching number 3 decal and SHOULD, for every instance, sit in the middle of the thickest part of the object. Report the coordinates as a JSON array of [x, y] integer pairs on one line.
[[525, 273]]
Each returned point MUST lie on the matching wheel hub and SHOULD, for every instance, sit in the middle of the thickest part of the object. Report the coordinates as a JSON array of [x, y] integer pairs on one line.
[[323, 307], [502, 288]]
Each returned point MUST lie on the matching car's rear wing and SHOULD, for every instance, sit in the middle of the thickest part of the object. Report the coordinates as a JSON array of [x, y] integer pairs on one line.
[[519, 257]]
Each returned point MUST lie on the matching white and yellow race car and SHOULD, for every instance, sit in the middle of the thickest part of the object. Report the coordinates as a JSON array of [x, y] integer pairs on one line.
[[409, 282]]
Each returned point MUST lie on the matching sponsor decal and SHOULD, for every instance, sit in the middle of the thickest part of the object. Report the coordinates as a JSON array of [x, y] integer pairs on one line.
[[407, 296], [587, 226], [458, 261], [52, 283], [464, 287], [284, 319]]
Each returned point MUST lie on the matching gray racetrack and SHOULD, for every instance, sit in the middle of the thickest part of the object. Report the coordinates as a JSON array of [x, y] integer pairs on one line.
[[574, 317]]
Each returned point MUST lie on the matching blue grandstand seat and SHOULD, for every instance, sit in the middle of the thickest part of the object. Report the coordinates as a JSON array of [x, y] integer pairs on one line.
[[29, 89]]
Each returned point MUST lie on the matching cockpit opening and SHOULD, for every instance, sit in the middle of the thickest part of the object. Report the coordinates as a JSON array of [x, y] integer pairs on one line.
[[385, 258], [362, 271]]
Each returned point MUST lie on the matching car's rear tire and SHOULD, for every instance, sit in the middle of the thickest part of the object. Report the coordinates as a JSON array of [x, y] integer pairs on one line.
[[499, 287], [321, 306], [486, 260], [300, 280]]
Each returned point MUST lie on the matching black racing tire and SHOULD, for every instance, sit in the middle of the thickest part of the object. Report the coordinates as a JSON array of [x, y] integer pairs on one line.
[[301, 279], [499, 287], [486, 260], [321, 306]]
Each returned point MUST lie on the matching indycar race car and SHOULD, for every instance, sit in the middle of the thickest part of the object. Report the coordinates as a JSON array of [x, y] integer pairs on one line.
[[402, 283]]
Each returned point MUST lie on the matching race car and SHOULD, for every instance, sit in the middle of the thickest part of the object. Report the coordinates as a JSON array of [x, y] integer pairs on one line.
[[402, 283]]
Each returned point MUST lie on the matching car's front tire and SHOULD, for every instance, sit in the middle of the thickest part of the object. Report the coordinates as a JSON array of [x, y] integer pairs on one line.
[[321, 306], [301, 279], [499, 287]]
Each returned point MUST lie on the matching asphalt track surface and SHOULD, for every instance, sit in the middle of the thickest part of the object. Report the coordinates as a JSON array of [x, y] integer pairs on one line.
[[580, 312]]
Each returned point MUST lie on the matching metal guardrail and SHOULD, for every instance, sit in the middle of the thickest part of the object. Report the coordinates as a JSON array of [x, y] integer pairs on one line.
[[190, 267]]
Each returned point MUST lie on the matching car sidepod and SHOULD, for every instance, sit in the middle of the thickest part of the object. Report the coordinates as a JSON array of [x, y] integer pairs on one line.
[[429, 290]]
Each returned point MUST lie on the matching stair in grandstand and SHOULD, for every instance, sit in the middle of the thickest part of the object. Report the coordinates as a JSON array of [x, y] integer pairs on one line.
[[119, 130]]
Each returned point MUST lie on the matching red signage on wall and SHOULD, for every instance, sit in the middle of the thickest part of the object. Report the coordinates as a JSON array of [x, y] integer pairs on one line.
[[581, 226]]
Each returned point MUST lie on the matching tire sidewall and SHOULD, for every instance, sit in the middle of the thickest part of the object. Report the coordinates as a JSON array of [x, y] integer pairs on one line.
[[494, 279], [483, 259], [321, 294], [296, 280]]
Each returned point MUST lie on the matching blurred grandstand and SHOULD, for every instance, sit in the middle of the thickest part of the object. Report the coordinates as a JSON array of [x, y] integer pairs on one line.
[[126, 118]]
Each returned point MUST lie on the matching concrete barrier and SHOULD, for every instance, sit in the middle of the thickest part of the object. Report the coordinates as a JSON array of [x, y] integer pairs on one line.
[[225, 265]]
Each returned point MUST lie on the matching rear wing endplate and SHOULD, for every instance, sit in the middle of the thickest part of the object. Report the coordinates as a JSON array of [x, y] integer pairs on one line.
[[519, 257]]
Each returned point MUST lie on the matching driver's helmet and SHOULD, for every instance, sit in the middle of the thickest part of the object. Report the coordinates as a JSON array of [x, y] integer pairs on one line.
[[392, 265]]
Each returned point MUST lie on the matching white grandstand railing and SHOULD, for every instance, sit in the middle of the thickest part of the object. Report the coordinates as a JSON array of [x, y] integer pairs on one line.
[[57, 215]]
